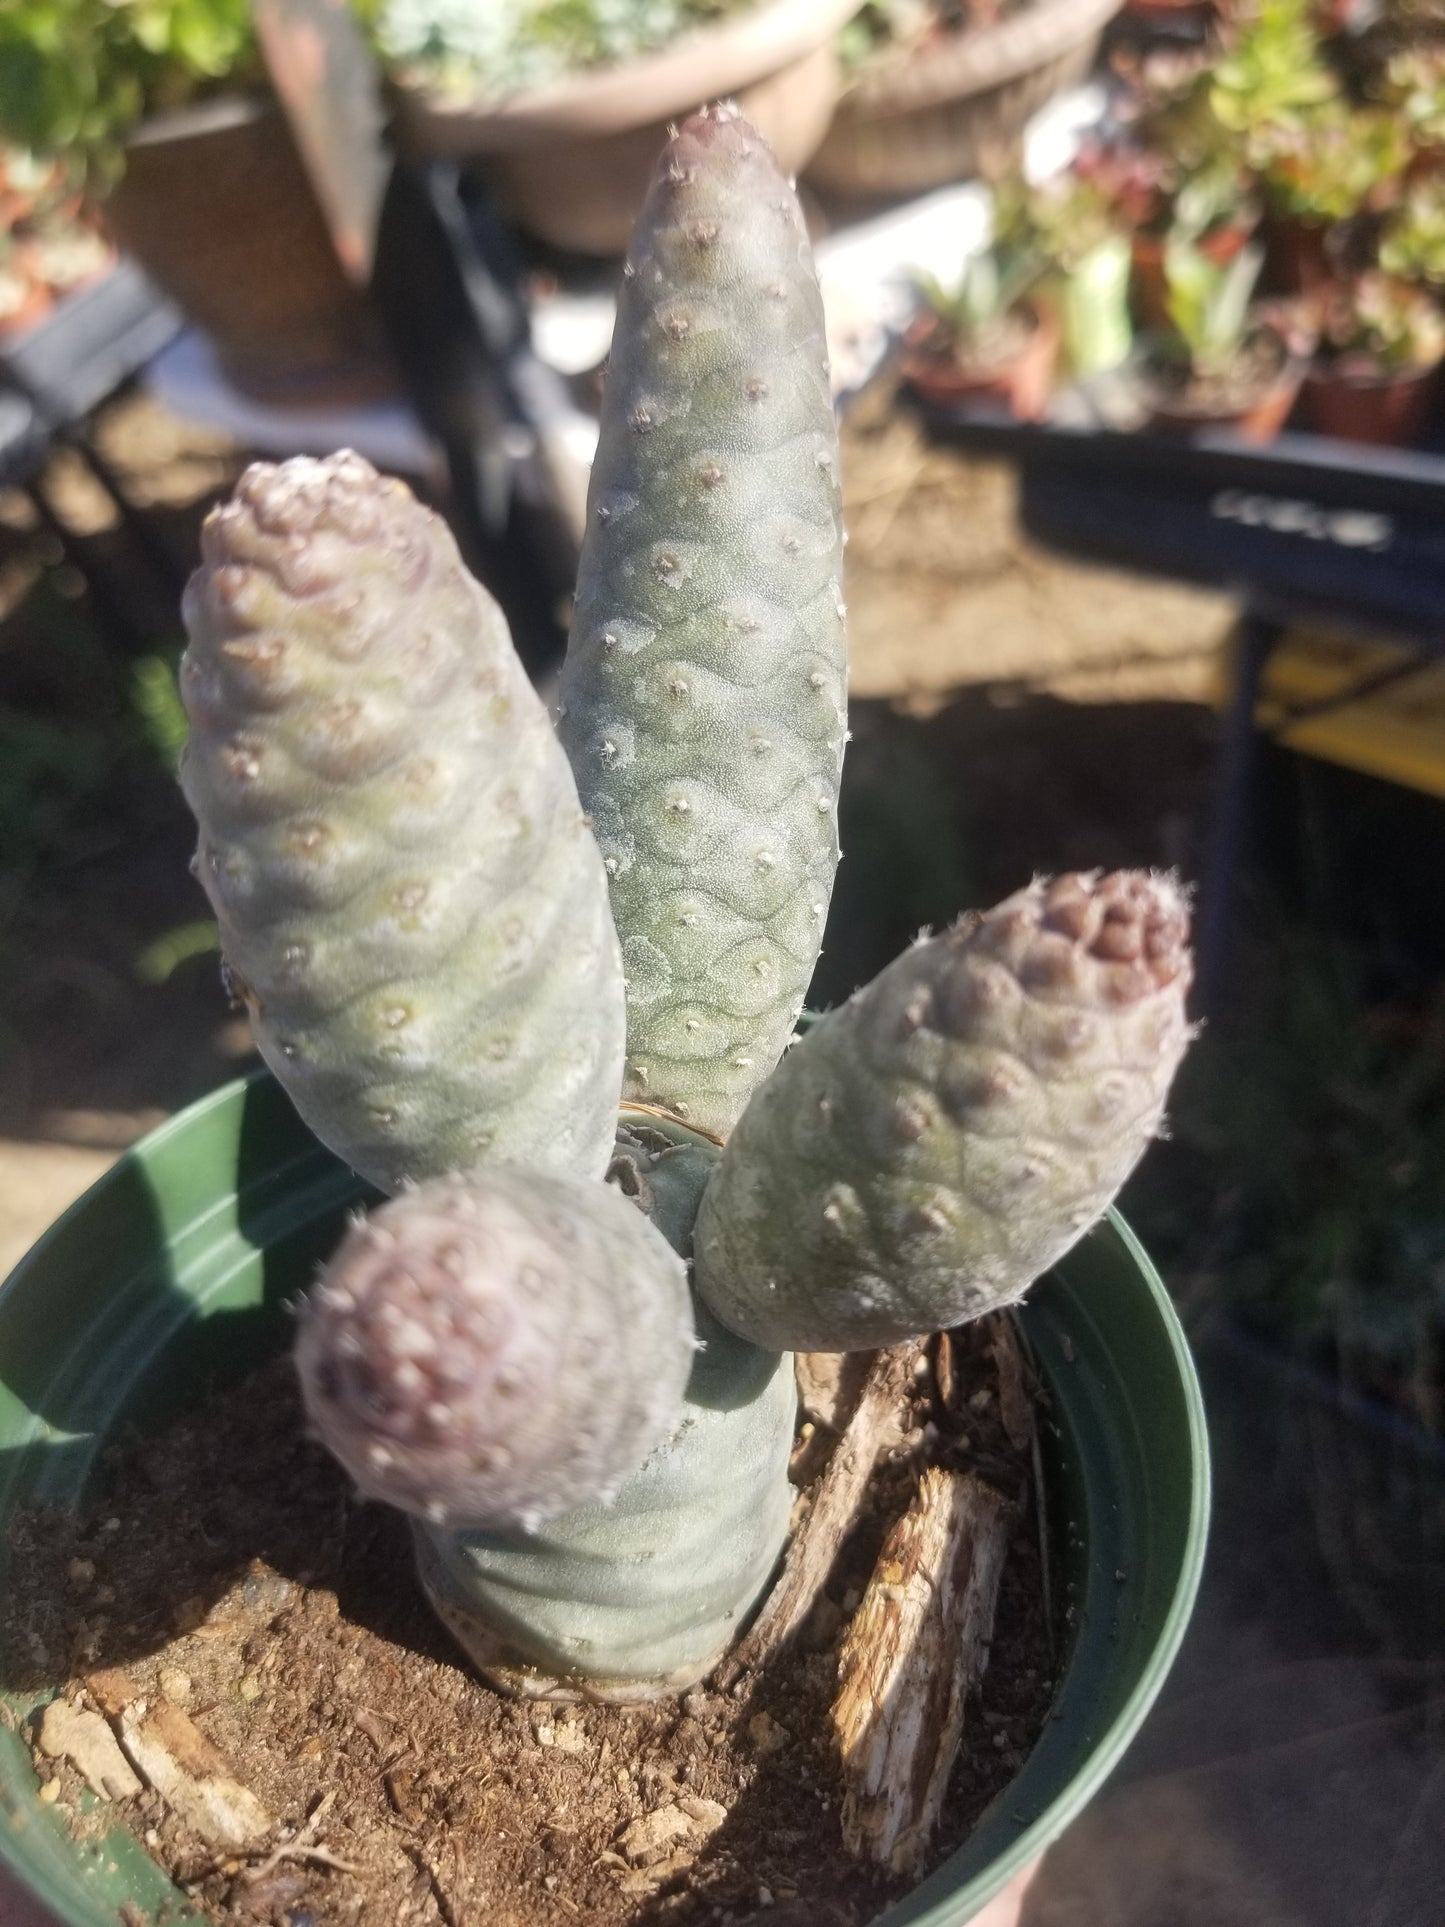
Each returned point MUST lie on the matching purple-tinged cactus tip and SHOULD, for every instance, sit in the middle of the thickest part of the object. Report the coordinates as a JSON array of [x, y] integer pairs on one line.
[[489, 1352]]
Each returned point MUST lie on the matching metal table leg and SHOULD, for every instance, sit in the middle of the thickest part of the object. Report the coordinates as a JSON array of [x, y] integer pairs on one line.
[[1255, 638]]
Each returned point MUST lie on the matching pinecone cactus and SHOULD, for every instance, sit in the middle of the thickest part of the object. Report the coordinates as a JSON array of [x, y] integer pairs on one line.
[[410, 902], [703, 694], [426, 929], [932, 1148]]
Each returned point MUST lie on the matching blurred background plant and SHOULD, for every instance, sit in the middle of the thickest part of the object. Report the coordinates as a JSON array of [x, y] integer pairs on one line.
[[1376, 322], [902, 27], [77, 76]]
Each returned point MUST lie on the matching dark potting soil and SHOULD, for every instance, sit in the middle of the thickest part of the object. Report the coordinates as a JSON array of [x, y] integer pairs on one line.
[[226, 1567]]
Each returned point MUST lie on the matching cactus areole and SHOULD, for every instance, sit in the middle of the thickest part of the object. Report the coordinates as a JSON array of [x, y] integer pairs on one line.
[[457, 974]]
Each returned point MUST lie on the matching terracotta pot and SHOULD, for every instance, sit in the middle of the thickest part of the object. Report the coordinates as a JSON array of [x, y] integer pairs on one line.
[[1295, 257], [216, 206], [572, 162], [1388, 410], [1148, 288], [958, 107], [1023, 382]]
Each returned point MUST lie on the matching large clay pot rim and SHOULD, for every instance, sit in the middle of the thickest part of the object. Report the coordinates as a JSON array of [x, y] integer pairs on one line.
[[705, 65], [986, 57]]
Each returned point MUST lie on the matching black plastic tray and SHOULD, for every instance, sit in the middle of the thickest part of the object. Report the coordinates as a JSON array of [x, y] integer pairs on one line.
[[1304, 528]]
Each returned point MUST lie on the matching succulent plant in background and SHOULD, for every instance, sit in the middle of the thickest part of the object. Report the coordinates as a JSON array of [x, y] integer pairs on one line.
[[1209, 306], [77, 75], [1413, 84], [1377, 323], [1412, 247], [1337, 163], [1270, 79], [988, 334], [978, 317], [1076, 221], [592, 1442]]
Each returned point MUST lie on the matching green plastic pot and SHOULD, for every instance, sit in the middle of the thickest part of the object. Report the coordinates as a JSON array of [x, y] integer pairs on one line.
[[168, 1279]]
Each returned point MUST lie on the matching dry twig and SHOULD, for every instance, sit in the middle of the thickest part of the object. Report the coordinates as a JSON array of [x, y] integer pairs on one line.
[[916, 1648], [815, 1544]]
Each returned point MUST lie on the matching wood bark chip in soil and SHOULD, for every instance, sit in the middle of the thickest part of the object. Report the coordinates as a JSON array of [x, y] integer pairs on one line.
[[226, 1596]]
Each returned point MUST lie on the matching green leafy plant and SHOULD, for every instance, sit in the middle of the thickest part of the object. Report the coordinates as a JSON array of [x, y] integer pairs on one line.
[[977, 315], [77, 75], [1075, 222], [1412, 247], [462, 938], [1336, 163], [1413, 84], [1210, 303], [1271, 77]]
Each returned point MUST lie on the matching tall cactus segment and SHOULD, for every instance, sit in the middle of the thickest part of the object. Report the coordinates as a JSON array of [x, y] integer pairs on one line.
[[492, 1351], [409, 898], [929, 1150], [703, 695], [641, 1596]]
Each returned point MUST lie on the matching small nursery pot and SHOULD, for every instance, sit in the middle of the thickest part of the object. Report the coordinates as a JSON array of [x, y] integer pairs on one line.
[[1371, 405], [169, 1279], [1258, 419], [1022, 381]]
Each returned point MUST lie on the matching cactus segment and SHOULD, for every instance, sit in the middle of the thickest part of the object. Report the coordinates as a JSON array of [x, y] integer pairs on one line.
[[703, 695], [639, 1597], [930, 1149], [410, 902], [495, 1350]]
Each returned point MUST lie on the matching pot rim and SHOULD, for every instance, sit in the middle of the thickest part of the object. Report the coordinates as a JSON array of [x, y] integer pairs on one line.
[[1141, 1478], [986, 58], [1369, 379], [706, 64]]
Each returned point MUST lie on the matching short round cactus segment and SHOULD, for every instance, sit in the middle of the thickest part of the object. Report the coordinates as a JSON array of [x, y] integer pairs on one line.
[[703, 694], [410, 902], [640, 1597], [929, 1150], [495, 1350]]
